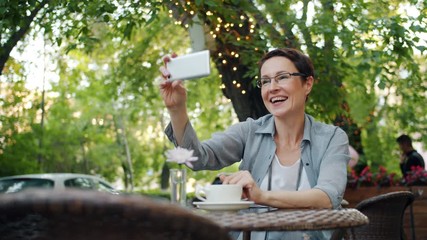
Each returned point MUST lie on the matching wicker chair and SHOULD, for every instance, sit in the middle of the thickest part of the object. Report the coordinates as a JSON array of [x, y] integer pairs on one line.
[[385, 214], [73, 214]]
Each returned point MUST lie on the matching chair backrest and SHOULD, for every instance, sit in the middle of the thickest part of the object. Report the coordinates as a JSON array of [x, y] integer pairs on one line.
[[385, 213], [77, 214]]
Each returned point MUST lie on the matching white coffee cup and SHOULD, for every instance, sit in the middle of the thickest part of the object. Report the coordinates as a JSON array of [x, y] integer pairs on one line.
[[219, 193]]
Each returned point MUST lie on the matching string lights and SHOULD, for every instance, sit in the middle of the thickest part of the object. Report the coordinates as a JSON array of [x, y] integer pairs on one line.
[[223, 28]]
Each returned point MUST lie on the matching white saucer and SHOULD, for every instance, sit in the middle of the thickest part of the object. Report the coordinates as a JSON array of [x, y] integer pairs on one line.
[[223, 206]]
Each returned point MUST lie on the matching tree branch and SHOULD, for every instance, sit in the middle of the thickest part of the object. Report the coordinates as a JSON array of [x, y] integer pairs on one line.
[[288, 37], [18, 35], [305, 33], [262, 21]]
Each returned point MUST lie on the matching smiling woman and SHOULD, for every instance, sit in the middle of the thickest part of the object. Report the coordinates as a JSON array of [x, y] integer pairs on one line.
[[287, 159]]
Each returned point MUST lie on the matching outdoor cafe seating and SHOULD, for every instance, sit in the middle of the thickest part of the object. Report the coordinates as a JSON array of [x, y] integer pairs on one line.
[[385, 213], [78, 214]]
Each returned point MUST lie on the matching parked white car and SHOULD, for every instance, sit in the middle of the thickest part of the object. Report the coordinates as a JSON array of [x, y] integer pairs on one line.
[[55, 181]]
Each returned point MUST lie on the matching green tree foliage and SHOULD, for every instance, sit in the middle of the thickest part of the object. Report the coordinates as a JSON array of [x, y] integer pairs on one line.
[[105, 116], [69, 21], [18, 124], [366, 55]]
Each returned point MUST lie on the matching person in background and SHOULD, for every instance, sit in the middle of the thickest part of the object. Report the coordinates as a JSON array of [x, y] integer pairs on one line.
[[287, 159], [409, 157]]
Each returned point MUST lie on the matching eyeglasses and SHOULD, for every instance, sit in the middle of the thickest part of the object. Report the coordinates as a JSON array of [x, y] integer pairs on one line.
[[279, 79]]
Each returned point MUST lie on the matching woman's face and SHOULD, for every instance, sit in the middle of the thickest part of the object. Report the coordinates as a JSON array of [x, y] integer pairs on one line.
[[289, 95]]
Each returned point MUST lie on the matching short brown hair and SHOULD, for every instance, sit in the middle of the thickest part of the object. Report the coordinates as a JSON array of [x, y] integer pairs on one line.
[[301, 61]]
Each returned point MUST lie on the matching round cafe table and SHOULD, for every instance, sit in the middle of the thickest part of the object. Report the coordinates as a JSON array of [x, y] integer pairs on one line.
[[265, 219]]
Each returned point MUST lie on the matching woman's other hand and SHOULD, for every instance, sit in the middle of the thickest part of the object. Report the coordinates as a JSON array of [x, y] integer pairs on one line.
[[251, 191], [312, 198]]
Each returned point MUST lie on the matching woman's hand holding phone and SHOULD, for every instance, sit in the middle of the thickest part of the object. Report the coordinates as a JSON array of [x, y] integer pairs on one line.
[[173, 93], [175, 70], [174, 97]]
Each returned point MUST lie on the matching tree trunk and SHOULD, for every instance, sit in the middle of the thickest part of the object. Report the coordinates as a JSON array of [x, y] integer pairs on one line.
[[128, 159], [40, 155], [85, 160], [244, 95], [123, 143]]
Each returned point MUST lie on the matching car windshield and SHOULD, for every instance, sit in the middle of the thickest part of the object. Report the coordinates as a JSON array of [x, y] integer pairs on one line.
[[81, 183], [89, 184], [19, 184], [103, 187]]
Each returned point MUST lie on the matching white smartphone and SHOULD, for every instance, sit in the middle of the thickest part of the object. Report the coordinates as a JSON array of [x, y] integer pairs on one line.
[[190, 66]]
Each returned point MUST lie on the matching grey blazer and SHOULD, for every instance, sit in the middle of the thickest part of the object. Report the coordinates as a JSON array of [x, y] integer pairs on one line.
[[324, 152]]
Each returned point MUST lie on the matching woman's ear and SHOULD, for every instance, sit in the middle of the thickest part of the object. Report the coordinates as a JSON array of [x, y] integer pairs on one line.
[[309, 81]]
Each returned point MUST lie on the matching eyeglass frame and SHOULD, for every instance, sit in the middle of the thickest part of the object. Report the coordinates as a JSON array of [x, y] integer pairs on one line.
[[258, 82]]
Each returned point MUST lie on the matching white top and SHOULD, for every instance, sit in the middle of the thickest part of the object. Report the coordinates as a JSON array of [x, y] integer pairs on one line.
[[285, 177]]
